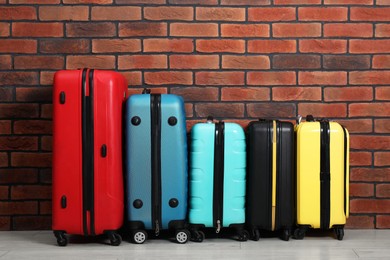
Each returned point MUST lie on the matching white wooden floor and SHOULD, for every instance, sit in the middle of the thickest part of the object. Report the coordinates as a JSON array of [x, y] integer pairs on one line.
[[357, 244]]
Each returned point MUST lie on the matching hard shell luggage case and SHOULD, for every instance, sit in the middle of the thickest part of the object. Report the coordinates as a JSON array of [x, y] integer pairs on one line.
[[217, 178], [322, 176], [87, 154], [270, 177], [156, 165]]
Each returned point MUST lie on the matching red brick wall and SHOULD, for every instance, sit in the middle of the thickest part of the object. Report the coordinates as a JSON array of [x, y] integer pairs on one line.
[[234, 59]]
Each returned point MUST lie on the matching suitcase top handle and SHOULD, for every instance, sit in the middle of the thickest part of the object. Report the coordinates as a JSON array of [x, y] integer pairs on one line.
[[146, 91], [310, 118]]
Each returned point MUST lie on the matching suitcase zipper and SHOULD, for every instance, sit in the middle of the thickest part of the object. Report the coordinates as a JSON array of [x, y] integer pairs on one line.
[[88, 151], [155, 101], [274, 170], [325, 175], [218, 175]]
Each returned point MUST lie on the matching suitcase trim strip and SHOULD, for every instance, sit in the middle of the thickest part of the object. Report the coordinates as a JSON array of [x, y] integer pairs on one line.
[[219, 146], [274, 171], [325, 174]]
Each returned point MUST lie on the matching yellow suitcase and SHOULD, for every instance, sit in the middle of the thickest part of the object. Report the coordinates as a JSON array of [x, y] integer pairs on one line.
[[322, 176]]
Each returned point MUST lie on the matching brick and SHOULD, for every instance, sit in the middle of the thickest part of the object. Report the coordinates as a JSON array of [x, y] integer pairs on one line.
[[245, 30], [96, 62], [142, 29], [189, 113], [357, 125], [271, 14], [18, 143], [194, 61], [31, 223], [369, 46], [296, 93], [348, 2], [18, 46], [296, 61], [194, 29], [348, 94], [366, 142], [369, 206], [18, 175], [168, 77], [369, 109], [382, 2], [5, 62], [219, 78], [191, 94], [382, 221], [18, 78], [101, 2], [245, 2], [46, 78], [370, 174], [19, 159], [134, 78], [360, 222], [296, 30], [322, 78], [382, 30], [19, 208], [382, 159], [297, 2], [169, 13], [155, 90], [143, 62], [274, 110], [45, 176], [120, 13], [245, 94], [29, 192], [382, 93], [369, 77], [45, 208], [48, 2], [361, 30], [18, 13], [46, 111], [220, 14], [65, 46], [46, 143], [322, 109], [116, 45], [186, 2], [96, 29], [63, 13], [5, 222], [361, 190], [272, 46], [370, 14], [346, 62], [38, 62], [360, 158], [3, 159], [245, 62], [6, 94], [4, 29], [381, 62], [4, 192], [323, 46], [32, 127], [323, 13], [5, 127], [37, 29], [382, 125], [219, 110], [271, 78], [212, 46], [168, 45]]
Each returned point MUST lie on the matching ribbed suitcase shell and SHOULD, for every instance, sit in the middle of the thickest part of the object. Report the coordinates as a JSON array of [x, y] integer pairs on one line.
[[308, 175], [138, 164], [109, 92], [202, 175], [270, 177]]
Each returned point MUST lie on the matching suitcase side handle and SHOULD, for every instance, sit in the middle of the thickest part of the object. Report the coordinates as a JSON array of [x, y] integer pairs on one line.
[[103, 150]]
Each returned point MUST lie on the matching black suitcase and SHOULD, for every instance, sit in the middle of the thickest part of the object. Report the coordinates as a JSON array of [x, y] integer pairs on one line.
[[270, 177]]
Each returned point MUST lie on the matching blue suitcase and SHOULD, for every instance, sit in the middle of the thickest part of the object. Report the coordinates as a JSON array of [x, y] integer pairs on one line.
[[217, 178], [156, 168]]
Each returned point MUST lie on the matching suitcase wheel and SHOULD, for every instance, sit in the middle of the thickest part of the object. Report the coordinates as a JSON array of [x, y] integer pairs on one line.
[[243, 236], [255, 235], [299, 233], [140, 236], [62, 239], [197, 236], [339, 233], [115, 239], [285, 235], [182, 236]]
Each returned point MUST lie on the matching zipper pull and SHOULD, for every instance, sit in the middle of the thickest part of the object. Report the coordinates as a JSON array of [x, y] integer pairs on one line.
[[157, 230], [218, 226]]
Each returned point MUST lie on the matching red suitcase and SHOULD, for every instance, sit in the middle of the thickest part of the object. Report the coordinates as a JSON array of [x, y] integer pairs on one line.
[[88, 196]]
